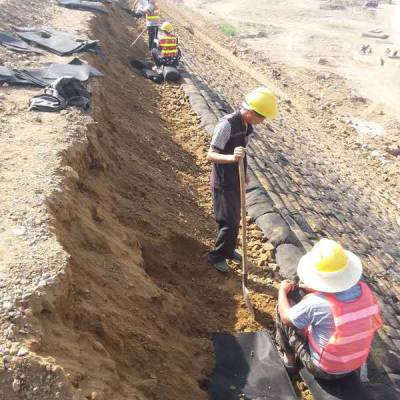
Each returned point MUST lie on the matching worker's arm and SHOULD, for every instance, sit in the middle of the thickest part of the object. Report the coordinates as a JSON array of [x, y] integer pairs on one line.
[[283, 301], [216, 157]]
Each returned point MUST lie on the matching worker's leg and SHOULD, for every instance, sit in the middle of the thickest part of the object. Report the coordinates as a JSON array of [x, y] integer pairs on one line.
[[294, 344], [152, 32], [156, 56], [227, 214]]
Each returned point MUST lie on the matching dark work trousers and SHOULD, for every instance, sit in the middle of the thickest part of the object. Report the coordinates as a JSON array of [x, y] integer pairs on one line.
[[227, 214], [152, 32], [156, 54], [292, 340]]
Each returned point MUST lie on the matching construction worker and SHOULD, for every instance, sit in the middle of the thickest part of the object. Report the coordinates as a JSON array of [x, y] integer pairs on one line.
[[152, 12], [330, 330], [166, 50], [139, 8], [228, 146]]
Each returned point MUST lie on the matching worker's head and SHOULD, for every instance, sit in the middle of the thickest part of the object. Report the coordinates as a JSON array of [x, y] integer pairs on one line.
[[167, 27], [258, 105], [329, 268]]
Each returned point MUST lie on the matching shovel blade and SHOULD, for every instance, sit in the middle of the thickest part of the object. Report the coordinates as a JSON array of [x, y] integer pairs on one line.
[[246, 297]]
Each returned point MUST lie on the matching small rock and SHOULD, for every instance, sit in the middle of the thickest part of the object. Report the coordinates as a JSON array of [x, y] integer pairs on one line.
[[375, 153], [22, 352], [323, 61], [394, 150], [19, 230], [16, 385]]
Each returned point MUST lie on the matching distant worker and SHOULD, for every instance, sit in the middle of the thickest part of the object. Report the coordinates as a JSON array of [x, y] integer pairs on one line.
[[152, 12], [139, 8], [366, 49], [371, 4], [331, 329], [382, 62], [166, 51], [228, 146]]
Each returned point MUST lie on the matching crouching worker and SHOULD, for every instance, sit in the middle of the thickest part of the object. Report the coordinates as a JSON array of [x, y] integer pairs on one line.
[[331, 329], [166, 51], [228, 146]]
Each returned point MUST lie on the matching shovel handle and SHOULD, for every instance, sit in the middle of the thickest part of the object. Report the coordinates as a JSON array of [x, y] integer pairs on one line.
[[134, 42], [242, 179], [246, 296]]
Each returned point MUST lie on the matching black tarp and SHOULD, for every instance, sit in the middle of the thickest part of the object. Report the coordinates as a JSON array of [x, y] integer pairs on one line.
[[248, 367], [5, 74], [171, 74], [58, 42], [16, 44], [46, 76], [84, 5]]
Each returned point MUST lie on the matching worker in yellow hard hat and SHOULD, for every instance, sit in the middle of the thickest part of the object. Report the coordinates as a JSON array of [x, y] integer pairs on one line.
[[228, 146], [166, 51], [331, 329]]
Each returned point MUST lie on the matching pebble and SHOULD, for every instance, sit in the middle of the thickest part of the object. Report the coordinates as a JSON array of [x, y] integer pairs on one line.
[[22, 352], [19, 230], [16, 385]]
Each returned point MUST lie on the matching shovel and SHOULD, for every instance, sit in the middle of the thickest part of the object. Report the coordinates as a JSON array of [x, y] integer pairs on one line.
[[134, 42], [244, 238]]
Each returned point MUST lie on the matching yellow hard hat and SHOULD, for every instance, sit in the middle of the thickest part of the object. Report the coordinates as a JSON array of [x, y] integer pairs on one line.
[[167, 27], [263, 102], [329, 256]]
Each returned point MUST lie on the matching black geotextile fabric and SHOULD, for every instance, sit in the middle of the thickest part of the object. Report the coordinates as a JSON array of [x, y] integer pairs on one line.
[[5, 74], [58, 42], [16, 44], [62, 93], [167, 73], [171, 74], [145, 68], [84, 5], [348, 388], [46, 76], [248, 367]]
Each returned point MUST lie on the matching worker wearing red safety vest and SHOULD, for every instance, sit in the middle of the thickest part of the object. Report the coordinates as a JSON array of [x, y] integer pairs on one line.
[[152, 12], [331, 329], [166, 50]]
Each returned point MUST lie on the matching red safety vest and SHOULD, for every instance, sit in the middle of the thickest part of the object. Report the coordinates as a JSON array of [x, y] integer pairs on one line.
[[155, 15], [168, 45], [355, 325]]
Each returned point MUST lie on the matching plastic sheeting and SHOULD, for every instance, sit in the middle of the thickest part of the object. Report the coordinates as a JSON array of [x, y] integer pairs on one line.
[[5, 74], [47, 75], [171, 74], [58, 42], [248, 367], [16, 44], [93, 6]]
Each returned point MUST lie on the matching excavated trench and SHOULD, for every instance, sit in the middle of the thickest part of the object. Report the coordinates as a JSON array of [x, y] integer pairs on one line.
[[132, 317]]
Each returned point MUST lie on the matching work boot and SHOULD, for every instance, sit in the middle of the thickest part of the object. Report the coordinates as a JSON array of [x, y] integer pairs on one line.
[[236, 257], [220, 265]]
